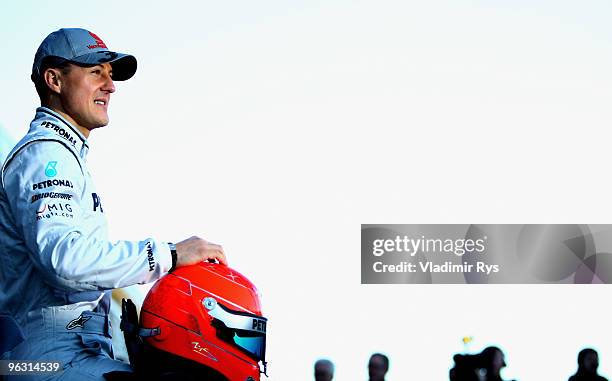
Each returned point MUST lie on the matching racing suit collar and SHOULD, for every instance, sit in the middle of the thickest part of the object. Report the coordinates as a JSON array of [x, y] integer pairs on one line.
[[58, 125], [64, 121]]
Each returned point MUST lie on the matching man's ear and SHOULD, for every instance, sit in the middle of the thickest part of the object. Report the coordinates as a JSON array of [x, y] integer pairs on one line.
[[52, 78]]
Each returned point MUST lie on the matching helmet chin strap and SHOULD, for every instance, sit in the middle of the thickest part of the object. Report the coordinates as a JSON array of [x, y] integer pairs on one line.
[[265, 368]]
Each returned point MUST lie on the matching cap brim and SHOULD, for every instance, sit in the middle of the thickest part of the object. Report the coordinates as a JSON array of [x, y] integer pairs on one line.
[[124, 65]]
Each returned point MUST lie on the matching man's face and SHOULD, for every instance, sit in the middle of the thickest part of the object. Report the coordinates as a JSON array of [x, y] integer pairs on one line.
[[323, 372], [498, 363], [591, 362], [85, 94], [376, 368]]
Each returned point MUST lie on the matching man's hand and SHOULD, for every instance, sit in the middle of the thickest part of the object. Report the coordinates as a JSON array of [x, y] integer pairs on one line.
[[195, 250]]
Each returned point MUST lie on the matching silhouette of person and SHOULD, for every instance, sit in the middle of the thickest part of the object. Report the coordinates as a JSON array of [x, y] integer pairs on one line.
[[323, 370], [378, 367], [494, 361], [588, 362], [484, 366]]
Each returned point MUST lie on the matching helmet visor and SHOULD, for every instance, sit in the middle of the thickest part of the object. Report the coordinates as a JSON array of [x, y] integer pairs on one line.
[[254, 345], [243, 330]]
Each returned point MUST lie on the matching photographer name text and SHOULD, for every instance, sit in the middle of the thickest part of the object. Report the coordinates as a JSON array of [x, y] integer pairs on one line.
[[430, 267], [407, 246]]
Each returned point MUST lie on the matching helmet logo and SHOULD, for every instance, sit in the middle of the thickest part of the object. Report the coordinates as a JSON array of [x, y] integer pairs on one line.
[[259, 325], [197, 348]]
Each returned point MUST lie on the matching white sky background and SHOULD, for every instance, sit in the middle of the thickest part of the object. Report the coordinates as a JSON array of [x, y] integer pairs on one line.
[[277, 128]]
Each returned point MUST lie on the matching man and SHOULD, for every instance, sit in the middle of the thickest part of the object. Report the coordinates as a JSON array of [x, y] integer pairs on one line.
[[485, 366], [378, 366], [323, 370], [588, 362], [56, 263], [494, 360]]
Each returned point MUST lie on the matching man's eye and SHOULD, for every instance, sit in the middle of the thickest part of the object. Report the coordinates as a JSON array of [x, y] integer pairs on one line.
[[96, 72]]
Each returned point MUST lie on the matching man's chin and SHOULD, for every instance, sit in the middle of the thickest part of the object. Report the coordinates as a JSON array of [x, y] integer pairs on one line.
[[102, 122]]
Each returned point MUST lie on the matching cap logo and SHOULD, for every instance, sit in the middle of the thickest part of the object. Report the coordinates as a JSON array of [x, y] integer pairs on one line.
[[99, 42]]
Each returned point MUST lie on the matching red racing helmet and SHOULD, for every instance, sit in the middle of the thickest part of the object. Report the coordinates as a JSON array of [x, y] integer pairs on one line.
[[208, 315]]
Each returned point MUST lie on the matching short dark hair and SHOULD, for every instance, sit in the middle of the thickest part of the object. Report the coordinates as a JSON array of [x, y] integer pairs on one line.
[[489, 352], [384, 358], [583, 354], [325, 362], [50, 62]]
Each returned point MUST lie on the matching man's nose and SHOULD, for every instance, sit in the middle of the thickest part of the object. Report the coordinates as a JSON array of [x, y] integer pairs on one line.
[[108, 85]]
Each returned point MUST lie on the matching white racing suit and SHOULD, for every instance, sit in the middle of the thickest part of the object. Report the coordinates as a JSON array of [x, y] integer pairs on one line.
[[55, 257]]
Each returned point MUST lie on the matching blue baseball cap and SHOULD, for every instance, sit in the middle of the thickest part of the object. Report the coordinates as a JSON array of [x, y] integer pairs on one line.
[[83, 47]]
